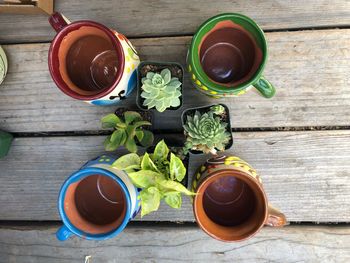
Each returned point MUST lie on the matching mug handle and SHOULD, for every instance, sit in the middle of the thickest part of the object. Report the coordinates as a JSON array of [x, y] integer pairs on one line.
[[63, 233], [265, 87], [275, 218], [58, 21]]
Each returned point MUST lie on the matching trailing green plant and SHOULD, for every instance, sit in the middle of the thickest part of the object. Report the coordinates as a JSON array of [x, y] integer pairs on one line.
[[158, 174], [161, 90], [127, 130], [206, 132]]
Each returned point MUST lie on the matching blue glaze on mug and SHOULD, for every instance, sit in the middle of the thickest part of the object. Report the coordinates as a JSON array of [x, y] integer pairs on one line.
[[101, 166], [132, 83], [105, 102]]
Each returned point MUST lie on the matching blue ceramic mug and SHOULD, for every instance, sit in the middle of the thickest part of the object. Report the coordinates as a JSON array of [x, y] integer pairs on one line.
[[97, 202]]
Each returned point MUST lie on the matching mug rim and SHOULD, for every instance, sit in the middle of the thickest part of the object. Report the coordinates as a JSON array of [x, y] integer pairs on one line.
[[54, 62], [224, 172], [200, 72], [78, 176]]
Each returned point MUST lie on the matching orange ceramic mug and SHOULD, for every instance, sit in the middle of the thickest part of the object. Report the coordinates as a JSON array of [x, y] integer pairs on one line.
[[231, 204]]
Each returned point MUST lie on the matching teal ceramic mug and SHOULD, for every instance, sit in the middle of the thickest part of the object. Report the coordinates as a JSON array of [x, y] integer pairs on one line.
[[227, 56]]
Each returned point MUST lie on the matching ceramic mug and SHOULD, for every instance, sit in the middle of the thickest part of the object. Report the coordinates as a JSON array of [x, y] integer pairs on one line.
[[90, 62], [97, 202], [227, 56], [5, 143], [3, 65], [231, 204]]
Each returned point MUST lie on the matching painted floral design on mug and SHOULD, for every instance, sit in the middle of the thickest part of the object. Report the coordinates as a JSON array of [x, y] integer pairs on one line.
[[129, 78], [90, 62]]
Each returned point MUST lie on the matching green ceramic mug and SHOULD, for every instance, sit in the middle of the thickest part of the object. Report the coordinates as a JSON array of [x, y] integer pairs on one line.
[[227, 56]]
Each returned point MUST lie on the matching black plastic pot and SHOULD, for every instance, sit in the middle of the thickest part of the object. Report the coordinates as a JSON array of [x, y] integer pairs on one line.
[[146, 115], [203, 110], [144, 67]]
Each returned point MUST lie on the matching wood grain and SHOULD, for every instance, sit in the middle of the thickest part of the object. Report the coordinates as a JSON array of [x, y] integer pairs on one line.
[[163, 18], [310, 70], [305, 174], [177, 244]]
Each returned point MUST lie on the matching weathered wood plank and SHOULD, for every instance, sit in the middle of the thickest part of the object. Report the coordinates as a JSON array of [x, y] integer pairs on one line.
[[306, 174], [309, 68], [159, 18], [178, 244]]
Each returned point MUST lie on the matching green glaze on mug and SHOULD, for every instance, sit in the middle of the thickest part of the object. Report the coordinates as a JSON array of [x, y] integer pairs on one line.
[[252, 76], [5, 143], [3, 65]]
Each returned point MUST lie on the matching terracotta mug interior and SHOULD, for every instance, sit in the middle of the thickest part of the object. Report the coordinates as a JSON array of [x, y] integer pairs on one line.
[[86, 60], [229, 54], [230, 206], [95, 204]]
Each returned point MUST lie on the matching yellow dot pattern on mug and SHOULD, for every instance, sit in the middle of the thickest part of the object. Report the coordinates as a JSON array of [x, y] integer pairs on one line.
[[130, 59], [196, 177], [199, 85], [241, 92], [104, 158], [238, 162], [194, 185]]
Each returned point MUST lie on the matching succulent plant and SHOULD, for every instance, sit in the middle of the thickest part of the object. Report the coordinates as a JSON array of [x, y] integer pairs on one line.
[[161, 90], [206, 133], [126, 130], [218, 109]]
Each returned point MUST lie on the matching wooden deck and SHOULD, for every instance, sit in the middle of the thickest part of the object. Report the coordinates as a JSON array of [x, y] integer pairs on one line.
[[299, 141]]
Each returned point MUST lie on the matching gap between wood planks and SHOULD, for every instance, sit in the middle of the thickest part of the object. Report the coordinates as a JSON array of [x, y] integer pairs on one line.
[[157, 132], [189, 35], [56, 223]]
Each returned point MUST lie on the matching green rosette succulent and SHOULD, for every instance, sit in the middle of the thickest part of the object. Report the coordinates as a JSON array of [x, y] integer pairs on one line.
[[205, 132], [161, 90]]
